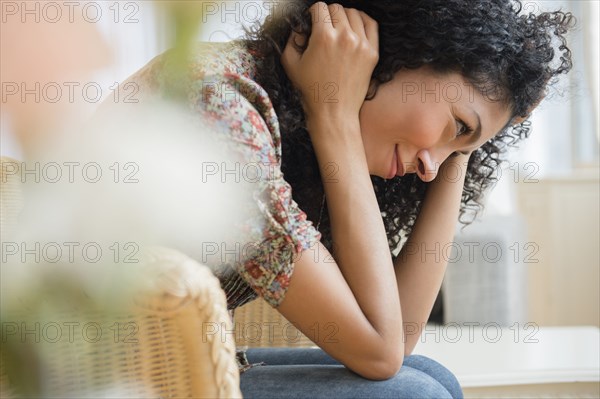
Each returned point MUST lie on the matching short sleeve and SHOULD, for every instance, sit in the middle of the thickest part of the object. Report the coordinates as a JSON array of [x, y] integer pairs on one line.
[[277, 229]]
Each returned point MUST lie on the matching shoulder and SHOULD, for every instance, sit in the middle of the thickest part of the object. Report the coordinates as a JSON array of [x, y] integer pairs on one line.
[[223, 86], [204, 59], [223, 96], [220, 84], [223, 58]]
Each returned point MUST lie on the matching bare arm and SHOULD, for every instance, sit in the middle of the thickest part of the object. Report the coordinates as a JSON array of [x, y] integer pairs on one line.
[[420, 266], [356, 294], [362, 301]]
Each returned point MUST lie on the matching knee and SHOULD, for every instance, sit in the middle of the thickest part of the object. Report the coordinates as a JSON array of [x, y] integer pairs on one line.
[[437, 371]]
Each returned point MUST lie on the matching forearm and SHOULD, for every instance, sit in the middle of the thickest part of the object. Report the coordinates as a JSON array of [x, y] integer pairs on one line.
[[420, 266], [360, 241]]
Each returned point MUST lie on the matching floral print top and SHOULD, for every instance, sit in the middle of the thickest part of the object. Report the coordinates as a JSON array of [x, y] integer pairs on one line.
[[222, 89]]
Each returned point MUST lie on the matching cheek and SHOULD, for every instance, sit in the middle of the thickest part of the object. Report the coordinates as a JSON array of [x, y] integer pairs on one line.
[[386, 119], [371, 116], [422, 126]]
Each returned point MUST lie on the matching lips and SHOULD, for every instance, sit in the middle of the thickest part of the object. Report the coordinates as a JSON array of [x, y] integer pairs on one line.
[[394, 165], [396, 168], [399, 166]]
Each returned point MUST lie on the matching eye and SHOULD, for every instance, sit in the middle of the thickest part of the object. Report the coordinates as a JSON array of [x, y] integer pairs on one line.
[[462, 128]]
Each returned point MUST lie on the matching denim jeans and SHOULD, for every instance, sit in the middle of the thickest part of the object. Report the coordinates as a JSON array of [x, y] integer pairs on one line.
[[311, 373]]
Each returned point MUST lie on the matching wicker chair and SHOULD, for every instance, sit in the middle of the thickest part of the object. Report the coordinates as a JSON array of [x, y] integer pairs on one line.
[[258, 325], [168, 355]]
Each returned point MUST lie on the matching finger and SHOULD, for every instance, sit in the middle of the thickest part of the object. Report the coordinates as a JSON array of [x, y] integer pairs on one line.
[[371, 30], [320, 17], [356, 22], [338, 16]]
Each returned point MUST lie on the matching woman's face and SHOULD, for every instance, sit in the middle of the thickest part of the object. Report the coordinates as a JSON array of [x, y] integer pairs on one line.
[[420, 118]]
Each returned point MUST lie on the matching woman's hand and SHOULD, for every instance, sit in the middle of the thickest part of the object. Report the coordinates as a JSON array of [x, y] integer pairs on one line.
[[334, 73], [453, 169]]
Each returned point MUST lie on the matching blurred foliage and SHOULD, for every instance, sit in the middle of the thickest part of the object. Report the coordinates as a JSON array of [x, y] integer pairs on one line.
[[54, 294], [185, 17]]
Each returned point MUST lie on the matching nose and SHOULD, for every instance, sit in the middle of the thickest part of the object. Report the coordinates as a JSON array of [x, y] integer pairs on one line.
[[426, 167]]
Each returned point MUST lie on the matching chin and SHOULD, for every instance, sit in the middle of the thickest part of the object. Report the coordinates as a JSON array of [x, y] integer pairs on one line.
[[380, 175]]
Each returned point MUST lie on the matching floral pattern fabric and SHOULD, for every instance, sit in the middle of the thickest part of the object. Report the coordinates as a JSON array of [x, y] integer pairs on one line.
[[222, 91]]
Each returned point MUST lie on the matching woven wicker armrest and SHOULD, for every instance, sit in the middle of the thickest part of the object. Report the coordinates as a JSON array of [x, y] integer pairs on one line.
[[186, 299], [153, 344]]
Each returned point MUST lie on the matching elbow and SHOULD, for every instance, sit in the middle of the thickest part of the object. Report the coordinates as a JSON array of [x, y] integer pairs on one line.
[[385, 369], [382, 368]]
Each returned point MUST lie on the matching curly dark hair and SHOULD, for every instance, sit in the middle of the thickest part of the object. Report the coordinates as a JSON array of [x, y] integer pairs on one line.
[[495, 46]]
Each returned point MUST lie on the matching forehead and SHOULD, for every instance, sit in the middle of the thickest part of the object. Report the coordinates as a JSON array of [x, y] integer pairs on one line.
[[456, 95]]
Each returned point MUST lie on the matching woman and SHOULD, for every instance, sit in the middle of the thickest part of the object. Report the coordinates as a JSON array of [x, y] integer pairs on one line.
[[375, 119]]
